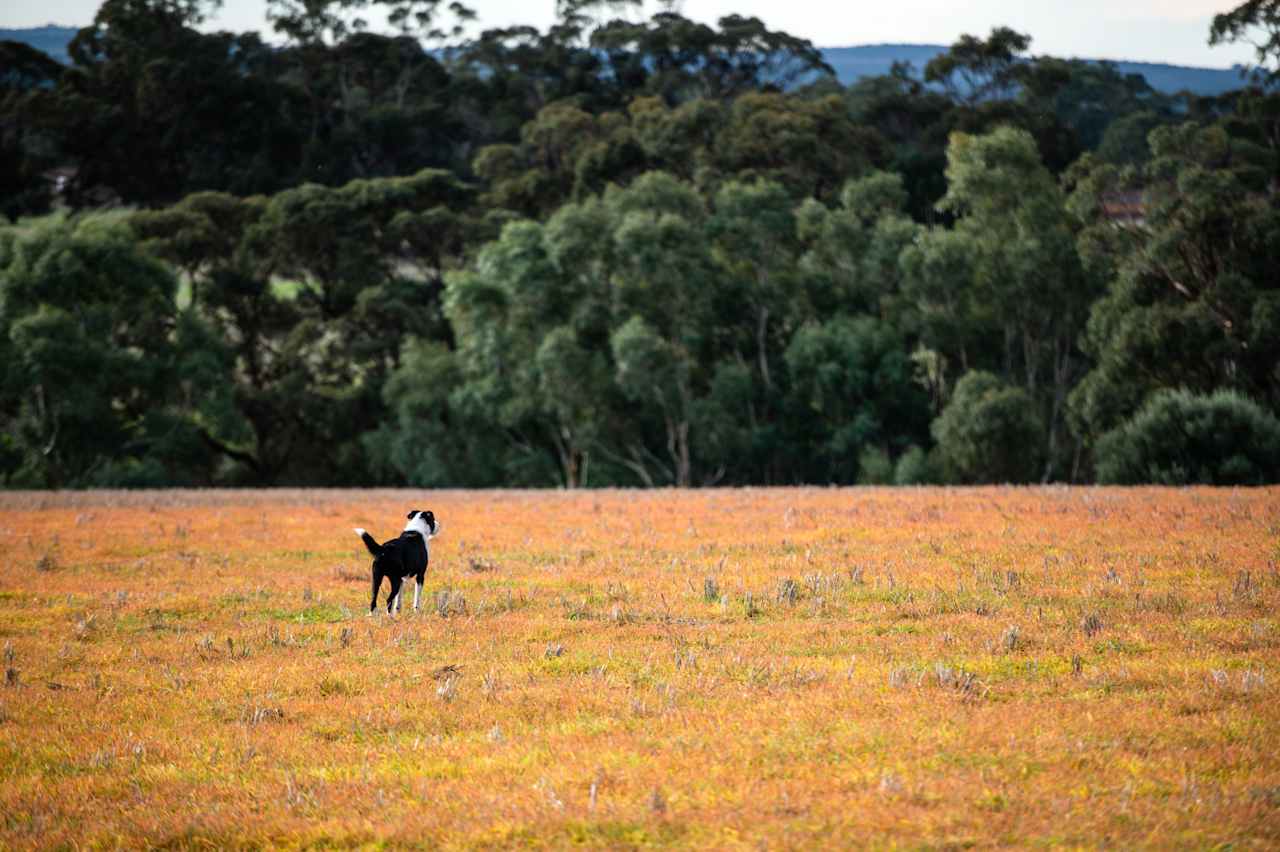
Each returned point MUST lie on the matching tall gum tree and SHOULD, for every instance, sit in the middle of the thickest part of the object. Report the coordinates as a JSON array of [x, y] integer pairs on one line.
[[1026, 267], [1192, 298], [1258, 23]]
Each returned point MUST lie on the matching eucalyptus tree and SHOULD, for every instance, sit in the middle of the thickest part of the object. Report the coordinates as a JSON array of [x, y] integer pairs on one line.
[[26, 149], [371, 104], [852, 389], [809, 145], [1026, 269], [1192, 297], [338, 242], [954, 327], [912, 118], [664, 283], [536, 176], [755, 242], [975, 70], [104, 380], [433, 436], [521, 366], [254, 324], [310, 294], [853, 248], [679, 59], [1257, 22], [598, 335], [152, 108]]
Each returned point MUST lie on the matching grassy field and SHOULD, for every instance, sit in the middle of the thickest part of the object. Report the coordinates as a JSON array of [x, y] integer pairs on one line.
[[715, 669]]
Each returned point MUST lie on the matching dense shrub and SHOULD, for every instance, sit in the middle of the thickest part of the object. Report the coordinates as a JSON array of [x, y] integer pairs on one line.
[[989, 432], [914, 467], [874, 467], [1179, 438]]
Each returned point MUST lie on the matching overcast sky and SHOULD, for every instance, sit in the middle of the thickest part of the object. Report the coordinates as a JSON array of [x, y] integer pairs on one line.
[[1174, 31]]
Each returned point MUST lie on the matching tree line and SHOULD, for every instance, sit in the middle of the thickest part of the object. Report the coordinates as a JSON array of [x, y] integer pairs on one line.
[[635, 251]]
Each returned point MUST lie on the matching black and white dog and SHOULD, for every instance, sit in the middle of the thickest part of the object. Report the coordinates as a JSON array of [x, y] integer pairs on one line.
[[406, 556]]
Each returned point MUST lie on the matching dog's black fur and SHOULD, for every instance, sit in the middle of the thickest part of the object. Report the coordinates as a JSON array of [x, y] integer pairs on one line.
[[398, 558]]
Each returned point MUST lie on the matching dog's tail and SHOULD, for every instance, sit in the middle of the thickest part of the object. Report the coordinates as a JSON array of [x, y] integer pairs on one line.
[[369, 542]]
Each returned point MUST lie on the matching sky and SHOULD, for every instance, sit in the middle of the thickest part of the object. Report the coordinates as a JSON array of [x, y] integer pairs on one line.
[[1172, 31]]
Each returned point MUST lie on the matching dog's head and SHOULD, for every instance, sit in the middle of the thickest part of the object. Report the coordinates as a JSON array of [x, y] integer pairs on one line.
[[422, 522]]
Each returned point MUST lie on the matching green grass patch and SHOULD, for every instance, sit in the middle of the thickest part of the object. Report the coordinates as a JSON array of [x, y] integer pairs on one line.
[[316, 613]]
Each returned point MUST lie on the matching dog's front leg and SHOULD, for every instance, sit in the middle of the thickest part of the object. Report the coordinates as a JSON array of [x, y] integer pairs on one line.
[[417, 591]]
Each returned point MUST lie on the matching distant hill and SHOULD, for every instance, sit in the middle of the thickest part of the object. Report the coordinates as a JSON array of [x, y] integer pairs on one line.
[[51, 39], [850, 63]]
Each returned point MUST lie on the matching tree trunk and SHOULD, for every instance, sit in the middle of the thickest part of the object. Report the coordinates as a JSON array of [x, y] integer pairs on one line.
[[762, 328], [1061, 377], [565, 455], [684, 474]]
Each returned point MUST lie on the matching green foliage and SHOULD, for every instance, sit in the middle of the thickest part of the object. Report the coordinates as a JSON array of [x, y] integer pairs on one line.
[[874, 467], [154, 109], [914, 467], [853, 252], [989, 432], [1028, 287], [851, 382], [91, 393], [1182, 438], [808, 146], [1255, 21], [678, 58], [24, 151], [1192, 296], [977, 70], [676, 341], [654, 252], [432, 438], [1125, 140], [940, 304], [310, 361], [1092, 97]]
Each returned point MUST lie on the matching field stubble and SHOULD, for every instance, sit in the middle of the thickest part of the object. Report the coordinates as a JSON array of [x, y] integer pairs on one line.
[[790, 667]]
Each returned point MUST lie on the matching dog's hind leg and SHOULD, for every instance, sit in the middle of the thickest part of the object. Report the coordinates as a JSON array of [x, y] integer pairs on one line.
[[377, 582], [395, 594]]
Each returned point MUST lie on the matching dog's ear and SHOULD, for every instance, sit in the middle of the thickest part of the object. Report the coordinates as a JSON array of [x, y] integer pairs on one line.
[[412, 512]]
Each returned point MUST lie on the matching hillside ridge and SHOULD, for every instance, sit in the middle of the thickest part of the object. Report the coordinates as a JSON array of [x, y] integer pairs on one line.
[[850, 63]]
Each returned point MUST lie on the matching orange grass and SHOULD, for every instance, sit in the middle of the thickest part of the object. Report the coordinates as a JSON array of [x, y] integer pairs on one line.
[[990, 667]]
